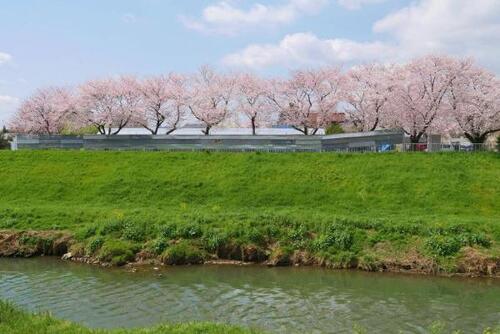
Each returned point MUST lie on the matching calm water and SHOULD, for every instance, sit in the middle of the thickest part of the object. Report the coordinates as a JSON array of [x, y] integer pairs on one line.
[[282, 300]]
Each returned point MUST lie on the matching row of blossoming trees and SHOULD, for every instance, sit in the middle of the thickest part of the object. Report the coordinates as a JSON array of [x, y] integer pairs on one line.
[[429, 94]]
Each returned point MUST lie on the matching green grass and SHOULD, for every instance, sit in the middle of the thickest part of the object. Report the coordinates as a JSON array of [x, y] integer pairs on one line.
[[15, 321], [339, 208]]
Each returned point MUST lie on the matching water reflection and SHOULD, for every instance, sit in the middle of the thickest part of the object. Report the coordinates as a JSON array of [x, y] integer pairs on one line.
[[282, 300]]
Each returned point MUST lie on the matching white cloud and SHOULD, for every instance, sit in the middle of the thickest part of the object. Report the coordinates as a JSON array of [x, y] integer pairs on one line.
[[456, 27], [357, 4], [461, 27], [6, 99], [129, 18], [227, 18], [4, 57], [306, 49]]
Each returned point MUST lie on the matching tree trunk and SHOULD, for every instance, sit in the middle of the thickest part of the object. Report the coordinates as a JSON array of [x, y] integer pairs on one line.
[[254, 132]]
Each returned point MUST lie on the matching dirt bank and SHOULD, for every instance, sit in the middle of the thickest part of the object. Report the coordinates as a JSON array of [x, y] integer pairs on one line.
[[470, 262]]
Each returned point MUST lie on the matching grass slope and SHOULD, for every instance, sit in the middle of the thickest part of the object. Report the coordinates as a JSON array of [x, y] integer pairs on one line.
[[339, 208], [14, 321]]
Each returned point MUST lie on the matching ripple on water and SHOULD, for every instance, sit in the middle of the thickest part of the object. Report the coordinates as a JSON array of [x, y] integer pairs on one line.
[[283, 300]]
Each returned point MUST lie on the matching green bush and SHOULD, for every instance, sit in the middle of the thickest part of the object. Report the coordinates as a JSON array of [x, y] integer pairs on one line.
[[183, 253], [334, 128], [214, 239], [112, 227], [190, 231], [94, 245], [159, 245], [134, 232], [117, 252], [168, 231], [4, 140], [338, 237], [443, 245]]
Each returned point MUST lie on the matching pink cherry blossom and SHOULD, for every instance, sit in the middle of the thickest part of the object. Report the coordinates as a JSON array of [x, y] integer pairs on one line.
[[366, 92], [109, 104], [252, 100], [308, 100], [46, 112], [163, 102], [210, 97], [417, 99], [475, 103]]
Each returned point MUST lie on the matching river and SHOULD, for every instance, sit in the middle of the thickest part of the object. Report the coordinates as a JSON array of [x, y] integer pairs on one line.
[[280, 300]]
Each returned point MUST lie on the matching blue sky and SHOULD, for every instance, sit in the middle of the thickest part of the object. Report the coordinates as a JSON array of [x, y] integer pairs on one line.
[[63, 42]]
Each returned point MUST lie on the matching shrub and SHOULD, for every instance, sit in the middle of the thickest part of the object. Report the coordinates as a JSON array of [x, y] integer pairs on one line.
[[133, 232], [297, 236], [338, 237], [117, 252], [159, 245], [168, 231], [190, 231], [472, 239], [255, 235], [4, 140], [334, 128], [443, 245], [29, 240], [112, 227], [214, 239], [183, 253], [94, 245]]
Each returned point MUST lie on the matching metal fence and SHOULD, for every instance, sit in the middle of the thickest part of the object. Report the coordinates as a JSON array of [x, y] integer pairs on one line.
[[376, 142], [226, 143]]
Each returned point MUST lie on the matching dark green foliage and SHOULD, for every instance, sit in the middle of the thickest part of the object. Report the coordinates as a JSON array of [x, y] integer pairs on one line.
[[334, 128], [214, 239], [337, 237], [4, 139], [443, 245], [183, 253], [85, 232], [117, 252], [94, 245], [190, 231], [158, 246], [168, 231], [134, 232]]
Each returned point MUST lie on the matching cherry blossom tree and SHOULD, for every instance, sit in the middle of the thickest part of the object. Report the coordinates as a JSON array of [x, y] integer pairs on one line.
[[46, 112], [163, 102], [418, 95], [308, 100], [210, 97], [366, 92], [475, 103], [253, 103], [109, 104]]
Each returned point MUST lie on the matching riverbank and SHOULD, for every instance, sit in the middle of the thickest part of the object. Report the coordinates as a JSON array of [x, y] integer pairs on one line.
[[15, 321], [419, 213]]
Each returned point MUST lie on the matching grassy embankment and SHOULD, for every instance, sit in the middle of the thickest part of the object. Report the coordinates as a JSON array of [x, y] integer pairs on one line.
[[419, 212], [14, 321]]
